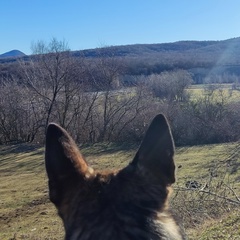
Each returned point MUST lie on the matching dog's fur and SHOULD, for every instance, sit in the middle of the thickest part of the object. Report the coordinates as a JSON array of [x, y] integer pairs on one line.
[[131, 203]]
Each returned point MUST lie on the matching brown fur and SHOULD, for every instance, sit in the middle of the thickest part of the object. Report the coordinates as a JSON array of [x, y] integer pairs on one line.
[[131, 203]]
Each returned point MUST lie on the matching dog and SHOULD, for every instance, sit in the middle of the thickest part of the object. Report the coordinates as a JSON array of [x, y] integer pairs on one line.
[[128, 204]]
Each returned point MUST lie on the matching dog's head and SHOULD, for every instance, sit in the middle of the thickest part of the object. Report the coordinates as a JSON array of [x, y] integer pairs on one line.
[[131, 203]]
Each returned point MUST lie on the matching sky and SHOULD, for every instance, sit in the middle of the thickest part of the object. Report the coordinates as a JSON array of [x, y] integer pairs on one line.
[[86, 24]]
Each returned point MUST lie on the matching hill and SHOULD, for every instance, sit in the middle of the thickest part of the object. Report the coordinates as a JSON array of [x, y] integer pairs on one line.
[[230, 47], [12, 54], [200, 58]]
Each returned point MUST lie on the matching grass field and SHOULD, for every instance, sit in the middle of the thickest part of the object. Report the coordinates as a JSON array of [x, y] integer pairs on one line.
[[209, 213], [221, 92]]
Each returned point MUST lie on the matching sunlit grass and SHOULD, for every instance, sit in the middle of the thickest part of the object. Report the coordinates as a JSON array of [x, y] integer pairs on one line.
[[221, 92], [26, 212], [226, 227]]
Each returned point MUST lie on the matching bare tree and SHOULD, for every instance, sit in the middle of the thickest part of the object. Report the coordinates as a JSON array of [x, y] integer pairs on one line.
[[104, 73], [19, 117], [171, 85], [48, 72]]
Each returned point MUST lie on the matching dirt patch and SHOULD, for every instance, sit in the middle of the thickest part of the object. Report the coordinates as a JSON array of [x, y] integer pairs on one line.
[[35, 206]]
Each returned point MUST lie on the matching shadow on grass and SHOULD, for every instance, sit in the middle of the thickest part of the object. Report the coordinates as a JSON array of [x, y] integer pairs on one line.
[[21, 157], [107, 148], [18, 148]]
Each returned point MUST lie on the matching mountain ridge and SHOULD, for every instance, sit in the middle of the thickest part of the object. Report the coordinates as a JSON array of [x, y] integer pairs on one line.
[[178, 54], [141, 49]]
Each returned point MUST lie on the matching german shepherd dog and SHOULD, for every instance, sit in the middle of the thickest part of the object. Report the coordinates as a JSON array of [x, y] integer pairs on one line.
[[129, 204]]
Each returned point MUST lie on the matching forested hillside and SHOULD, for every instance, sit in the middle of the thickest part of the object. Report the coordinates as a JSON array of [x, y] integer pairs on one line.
[[201, 58]]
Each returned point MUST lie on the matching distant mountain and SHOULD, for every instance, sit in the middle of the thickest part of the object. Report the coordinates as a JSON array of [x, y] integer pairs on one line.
[[12, 54], [180, 47], [146, 49]]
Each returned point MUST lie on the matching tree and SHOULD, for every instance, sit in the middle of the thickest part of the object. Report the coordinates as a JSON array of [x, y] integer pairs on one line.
[[19, 117], [171, 85], [47, 73], [104, 72]]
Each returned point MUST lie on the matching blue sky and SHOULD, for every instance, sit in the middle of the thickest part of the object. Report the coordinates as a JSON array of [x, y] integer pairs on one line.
[[87, 24]]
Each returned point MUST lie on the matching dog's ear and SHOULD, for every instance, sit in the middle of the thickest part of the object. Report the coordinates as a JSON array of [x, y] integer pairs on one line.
[[63, 160], [155, 155]]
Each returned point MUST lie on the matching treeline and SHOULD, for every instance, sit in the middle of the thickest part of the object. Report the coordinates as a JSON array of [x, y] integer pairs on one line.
[[203, 59], [95, 103]]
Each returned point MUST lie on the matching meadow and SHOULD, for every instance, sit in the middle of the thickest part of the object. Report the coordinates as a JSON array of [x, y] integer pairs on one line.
[[218, 92], [210, 211]]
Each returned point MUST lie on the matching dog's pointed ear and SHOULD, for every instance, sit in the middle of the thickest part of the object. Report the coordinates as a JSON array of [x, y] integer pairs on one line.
[[63, 160], [155, 155]]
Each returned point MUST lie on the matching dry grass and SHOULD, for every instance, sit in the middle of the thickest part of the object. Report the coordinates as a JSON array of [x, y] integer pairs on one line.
[[26, 212], [216, 168], [222, 91], [224, 227]]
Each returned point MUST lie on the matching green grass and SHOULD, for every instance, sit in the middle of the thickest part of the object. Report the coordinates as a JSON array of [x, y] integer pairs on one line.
[[26, 212], [200, 161]]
